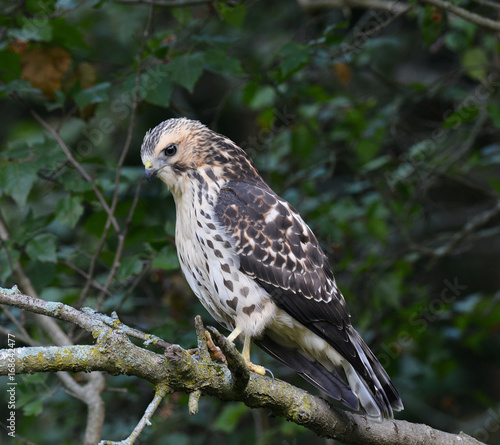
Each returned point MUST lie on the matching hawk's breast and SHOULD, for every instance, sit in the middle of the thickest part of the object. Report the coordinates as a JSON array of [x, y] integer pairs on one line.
[[210, 262]]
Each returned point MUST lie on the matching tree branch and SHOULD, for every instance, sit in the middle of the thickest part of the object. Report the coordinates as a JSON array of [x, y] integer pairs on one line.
[[177, 370], [394, 6], [472, 17], [168, 4], [398, 7]]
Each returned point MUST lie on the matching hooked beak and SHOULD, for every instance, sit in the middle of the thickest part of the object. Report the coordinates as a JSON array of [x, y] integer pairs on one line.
[[150, 172]]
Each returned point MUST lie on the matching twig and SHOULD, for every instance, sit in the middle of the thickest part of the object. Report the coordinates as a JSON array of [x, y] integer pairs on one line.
[[119, 249], [77, 166], [240, 374], [115, 323], [468, 229], [18, 325], [194, 398], [161, 391], [138, 278], [84, 275], [18, 437], [202, 341], [26, 340]]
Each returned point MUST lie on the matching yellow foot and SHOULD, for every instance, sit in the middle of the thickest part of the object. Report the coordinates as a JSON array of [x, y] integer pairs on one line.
[[246, 351], [256, 368]]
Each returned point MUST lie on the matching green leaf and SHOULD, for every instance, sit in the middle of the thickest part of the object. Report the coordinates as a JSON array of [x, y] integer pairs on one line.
[[11, 66], [234, 15], [366, 150], [48, 154], [93, 95], [18, 86], [227, 420], [294, 56], [375, 223], [475, 62], [302, 142], [258, 97], [17, 179], [388, 289], [182, 15], [68, 210], [166, 259], [156, 86], [494, 111], [186, 69], [219, 62], [42, 248], [32, 30], [456, 41], [128, 267], [67, 34], [431, 26], [465, 114], [33, 408]]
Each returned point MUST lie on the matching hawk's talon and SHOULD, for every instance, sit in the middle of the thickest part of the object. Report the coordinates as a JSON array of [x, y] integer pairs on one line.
[[213, 350], [270, 372]]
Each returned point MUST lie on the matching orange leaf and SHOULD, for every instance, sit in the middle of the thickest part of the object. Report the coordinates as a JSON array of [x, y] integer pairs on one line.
[[45, 68], [343, 73]]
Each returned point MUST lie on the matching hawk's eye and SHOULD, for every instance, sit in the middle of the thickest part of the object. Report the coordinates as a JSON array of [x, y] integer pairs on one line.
[[170, 150]]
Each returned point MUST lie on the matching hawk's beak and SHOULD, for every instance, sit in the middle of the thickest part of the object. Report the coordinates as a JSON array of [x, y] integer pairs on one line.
[[150, 172]]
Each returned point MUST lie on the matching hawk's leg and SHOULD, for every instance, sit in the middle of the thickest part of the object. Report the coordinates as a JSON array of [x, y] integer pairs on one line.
[[232, 336], [246, 351]]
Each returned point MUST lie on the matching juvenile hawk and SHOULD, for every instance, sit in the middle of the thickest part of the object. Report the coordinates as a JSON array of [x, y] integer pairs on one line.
[[258, 269]]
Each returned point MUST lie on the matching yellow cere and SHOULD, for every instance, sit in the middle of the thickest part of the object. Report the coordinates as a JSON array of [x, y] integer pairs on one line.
[[149, 165]]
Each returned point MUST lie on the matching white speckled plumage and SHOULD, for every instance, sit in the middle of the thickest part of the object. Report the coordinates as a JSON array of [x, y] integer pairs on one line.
[[257, 267]]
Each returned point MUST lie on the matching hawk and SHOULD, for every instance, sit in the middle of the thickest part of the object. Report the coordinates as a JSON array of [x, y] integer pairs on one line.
[[258, 269]]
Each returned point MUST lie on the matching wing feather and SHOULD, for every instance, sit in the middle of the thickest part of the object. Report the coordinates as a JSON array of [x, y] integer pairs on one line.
[[286, 258]]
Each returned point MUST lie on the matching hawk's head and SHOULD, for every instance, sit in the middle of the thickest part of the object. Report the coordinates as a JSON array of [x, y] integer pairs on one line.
[[177, 147], [173, 147]]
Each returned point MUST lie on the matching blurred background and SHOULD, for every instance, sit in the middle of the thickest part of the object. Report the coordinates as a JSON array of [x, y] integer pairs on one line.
[[381, 126]]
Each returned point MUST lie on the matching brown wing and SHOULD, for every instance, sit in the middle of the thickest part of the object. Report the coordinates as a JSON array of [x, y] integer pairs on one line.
[[277, 248]]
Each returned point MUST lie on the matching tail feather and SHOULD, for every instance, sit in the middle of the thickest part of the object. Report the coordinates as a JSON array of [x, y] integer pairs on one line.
[[360, 383], [379, 384], [330, 382]]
